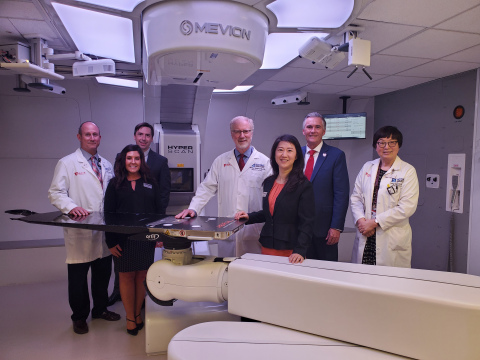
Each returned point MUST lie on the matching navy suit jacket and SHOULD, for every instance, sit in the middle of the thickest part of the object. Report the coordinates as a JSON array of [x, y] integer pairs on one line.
[[331, 190], [158, 165]]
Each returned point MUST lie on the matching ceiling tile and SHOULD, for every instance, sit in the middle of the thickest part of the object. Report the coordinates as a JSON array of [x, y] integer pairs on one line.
[[279, 86], [434, 44], [440, 68], [366, 91], [470, 55], [399, 82], [389, 65], [383, 35], [27, 27], [20, 10], [414, 12], [7, 29], [340, 78], [325, 89], [467, 22], [299, 75]]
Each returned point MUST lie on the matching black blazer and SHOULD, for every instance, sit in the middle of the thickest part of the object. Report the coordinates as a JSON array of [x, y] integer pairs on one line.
[[158, 165], [291, 226]]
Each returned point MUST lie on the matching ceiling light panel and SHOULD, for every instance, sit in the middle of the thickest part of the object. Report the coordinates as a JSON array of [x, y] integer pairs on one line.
[[117, 81], [98, 33], [328, 14], [123, 5], [239, 88], [282, 48]]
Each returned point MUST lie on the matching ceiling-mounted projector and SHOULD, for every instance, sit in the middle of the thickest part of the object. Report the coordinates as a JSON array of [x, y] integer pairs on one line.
[[93, 67], [319, 51]]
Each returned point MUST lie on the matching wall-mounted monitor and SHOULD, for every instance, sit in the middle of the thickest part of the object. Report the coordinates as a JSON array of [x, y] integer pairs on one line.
[[346, 126]]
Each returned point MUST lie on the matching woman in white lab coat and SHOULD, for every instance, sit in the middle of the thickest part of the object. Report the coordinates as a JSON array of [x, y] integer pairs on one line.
[[383, 199]]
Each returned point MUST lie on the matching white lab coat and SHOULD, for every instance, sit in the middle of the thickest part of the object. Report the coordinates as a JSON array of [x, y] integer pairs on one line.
[[75, 184], [236, 191], [394, 234]]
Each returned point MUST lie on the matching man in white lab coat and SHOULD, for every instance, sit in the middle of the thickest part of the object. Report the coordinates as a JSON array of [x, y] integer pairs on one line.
[[236, 177], [77, 189]]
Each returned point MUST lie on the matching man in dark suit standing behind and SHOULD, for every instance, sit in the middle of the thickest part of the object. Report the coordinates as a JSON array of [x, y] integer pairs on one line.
[[158, 165], [326, 168]]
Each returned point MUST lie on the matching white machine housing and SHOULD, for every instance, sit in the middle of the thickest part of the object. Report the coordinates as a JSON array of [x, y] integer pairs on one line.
[[180, 144], [258, 341], [204, 43], [416, 313], [204, 280]]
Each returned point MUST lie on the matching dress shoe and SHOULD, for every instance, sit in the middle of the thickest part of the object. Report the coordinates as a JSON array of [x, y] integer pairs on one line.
[[80, 327], [107, 315], [139, 326], [114, 298], [133, 332]]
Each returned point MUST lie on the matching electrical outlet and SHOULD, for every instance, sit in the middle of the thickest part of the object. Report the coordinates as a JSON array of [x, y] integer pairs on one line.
[[433, 181]]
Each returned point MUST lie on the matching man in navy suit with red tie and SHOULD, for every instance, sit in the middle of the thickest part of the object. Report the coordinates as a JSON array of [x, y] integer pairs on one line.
[[326, 168]]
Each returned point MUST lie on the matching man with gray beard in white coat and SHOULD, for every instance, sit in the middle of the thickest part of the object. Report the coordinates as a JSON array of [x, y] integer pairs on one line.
[[236, 177], [77, 189]]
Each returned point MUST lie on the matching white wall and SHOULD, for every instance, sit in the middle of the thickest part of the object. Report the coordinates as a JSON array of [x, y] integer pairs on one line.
[[473, 264], [38, 128]]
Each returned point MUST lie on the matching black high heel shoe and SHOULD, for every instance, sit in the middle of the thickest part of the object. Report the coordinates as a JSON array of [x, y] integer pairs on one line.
[[139, 326], [132, 332]]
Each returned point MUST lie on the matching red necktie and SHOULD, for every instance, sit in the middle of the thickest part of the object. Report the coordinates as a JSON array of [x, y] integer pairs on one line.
[[309, 167], [96, 170], [241, 162]]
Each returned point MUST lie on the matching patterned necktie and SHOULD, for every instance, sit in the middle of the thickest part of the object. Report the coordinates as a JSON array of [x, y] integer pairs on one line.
[[96, 170], [309, 167], [241, 162]]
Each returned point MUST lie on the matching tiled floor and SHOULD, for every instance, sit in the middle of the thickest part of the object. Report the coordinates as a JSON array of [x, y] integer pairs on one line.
[[35, 324]]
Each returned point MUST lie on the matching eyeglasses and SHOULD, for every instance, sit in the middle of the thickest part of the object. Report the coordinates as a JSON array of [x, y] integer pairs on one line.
[[391, 144], [244, 132]]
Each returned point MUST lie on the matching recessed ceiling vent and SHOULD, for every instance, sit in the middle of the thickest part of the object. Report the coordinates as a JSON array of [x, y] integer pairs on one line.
[[203, 43]]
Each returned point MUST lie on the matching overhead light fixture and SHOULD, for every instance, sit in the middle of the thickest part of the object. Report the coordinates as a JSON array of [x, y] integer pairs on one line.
[[282, 48], [123, 5], [98, 33], [239, 88], [117, 81], [329, 14]]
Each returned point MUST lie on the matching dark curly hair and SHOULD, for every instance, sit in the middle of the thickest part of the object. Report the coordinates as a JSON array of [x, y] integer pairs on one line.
[[121, 171], [296, 176]]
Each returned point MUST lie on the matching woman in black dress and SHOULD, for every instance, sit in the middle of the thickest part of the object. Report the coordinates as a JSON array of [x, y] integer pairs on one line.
[[132, 190]]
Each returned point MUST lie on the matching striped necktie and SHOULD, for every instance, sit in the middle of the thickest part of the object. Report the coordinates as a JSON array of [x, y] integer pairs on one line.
[[96, 170]]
